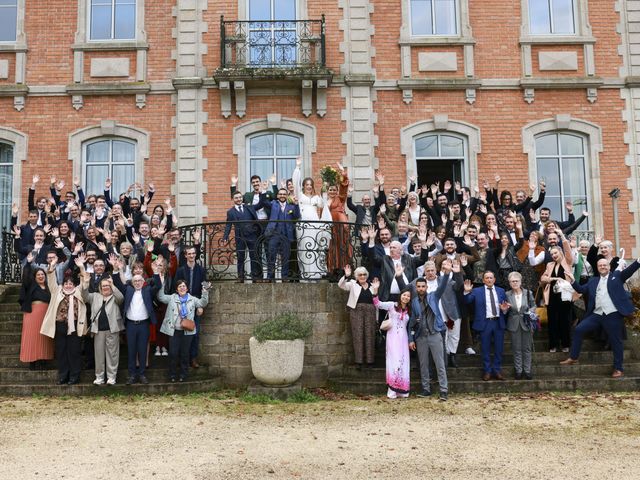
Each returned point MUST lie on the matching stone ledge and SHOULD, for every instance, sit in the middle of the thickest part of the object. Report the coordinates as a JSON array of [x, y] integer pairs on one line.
[[565, 82], [440, 83], [112, 46], [13, 89], [108, 88]]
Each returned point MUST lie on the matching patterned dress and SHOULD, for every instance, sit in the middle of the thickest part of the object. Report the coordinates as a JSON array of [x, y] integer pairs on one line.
[[397, 355]]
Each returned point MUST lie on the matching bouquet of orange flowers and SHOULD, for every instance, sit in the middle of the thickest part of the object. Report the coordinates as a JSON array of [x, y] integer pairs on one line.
[[330, 175]]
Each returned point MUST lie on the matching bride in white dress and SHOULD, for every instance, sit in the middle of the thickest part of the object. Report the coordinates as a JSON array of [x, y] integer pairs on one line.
[[313, 238]]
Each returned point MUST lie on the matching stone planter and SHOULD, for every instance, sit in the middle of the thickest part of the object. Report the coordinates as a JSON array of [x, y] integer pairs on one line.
[[276, 362]]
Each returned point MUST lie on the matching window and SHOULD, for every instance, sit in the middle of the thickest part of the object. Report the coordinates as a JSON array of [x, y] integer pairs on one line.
[[109, 158], [112, 20], [440, 157], [6, 184], [561, 164], [551, 17], [271, 153], [8, 20], [272, 34], [434, 17]]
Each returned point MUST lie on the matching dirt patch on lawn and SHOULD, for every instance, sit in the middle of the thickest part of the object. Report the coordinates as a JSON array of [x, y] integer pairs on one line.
[[220, 436]]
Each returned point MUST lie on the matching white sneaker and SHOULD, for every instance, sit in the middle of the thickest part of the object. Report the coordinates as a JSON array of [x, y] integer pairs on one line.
[[165, 353], [111, 381], [470, 351], [98, 381], [157, 354]]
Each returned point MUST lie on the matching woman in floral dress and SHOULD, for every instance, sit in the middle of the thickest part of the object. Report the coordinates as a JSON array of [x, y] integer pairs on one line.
[[397, 355]]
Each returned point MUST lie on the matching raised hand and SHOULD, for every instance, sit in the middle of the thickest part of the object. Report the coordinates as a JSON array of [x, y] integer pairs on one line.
[[102, 247], [412, 179], [399, 269], [113, 260], [497, 179], [16, 231], [569, 206], [532, 188], [80, 260], [364, 235], [273, 179], [30, 257], [107, 184], [152, 187], [47, 228], [455, 267], [341, 168], [14, 209], [350, 188], [485, 184], [468, 286], [58, 244], [76, 182], [532, 244], [464, 260], [375, 285], [53, 179], [135, 237], [265, 185], [298, 162], [78, 248], [35, 179], [347, 270], [447, 185], [60, 185]]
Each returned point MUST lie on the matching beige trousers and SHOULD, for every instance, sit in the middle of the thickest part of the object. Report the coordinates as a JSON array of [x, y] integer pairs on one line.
[[106, 345]]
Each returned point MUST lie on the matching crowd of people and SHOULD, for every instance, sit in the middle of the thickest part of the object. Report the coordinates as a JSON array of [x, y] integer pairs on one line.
[[443, 267], [94, 268]]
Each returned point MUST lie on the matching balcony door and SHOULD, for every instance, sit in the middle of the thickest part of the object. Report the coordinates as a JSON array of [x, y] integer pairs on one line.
[[272, 33]]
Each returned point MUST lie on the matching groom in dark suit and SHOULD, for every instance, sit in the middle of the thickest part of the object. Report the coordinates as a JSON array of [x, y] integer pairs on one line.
[[490, 303], [608, 304], [281, 232], [246, 234]]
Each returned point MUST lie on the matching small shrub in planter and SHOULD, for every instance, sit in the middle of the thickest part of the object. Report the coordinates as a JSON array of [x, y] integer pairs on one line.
[[285, 326], [277, 349]]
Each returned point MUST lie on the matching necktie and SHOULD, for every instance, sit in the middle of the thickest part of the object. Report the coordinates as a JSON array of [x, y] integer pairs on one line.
[[240, 208], [494, 310]]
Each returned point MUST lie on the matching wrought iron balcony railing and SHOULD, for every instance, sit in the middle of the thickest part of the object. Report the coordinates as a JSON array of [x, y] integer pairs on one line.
[[272, 44]]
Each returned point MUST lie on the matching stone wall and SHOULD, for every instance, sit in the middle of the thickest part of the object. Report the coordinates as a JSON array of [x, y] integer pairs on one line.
[[234, 309]]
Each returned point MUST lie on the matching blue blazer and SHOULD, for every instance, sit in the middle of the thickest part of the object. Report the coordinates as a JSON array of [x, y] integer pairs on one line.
[[291, 212], [148, 293], [615, 286], [433, 298], [477, 297], [244, 231]]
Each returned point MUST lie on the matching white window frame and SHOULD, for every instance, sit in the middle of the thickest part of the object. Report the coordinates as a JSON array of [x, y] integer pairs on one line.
[[113, 21], [110, 163], [582, 28], [433, 9], [19, 141], [550, 7], [561, 215], [274, 157], [7, 206], [439, 133], [17, 7]]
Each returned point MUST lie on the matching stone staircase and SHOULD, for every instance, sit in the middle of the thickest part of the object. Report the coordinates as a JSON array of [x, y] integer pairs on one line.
[[593, 373], [17, 379]]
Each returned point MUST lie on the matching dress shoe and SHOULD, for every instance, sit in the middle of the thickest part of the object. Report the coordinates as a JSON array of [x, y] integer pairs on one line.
[[486, 377], [182, 379], [452, 360], [143, 380], [518, 376], [195, 364], [498, 376], [444, 396], [172, 379], [63, 381], [528, 376], [424, 394], [74, 381], [569, 361], [617, 374], [131, 380]]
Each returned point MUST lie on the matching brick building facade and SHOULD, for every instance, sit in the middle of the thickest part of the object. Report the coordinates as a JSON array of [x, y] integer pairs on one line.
[[185, 93]]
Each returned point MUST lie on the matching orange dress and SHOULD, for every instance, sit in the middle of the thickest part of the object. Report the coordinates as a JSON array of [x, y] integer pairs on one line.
[[340, 250]]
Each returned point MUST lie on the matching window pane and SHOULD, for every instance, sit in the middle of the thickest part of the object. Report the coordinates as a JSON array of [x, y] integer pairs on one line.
[[8, 3], [571, 145], [563, 16], [96, 175], [539, 19], [573, 179], [125, 22], [6, 183], [284, 9], [122, 177], [262, 167], [286, 146], [547, 145], [259, 10], [98, 152], [451, 146], [6, 153], [285, 168], [421, 21], [579, 206], [427, 146], [8, 19], [557, 209], [101, 22], [261, 146], [446, 17], [549, 171], [124, 152]]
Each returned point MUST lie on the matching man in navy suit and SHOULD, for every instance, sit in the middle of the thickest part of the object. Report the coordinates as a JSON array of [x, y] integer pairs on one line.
[[281, 232], [490, 303], [608, 304], [246, 234]]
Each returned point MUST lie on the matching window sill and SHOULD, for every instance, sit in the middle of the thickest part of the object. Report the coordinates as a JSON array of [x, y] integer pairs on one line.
[[440, 83], [13, 89], [556, 40], [436, 41], [568, 82], [13, 47], [117, 45]]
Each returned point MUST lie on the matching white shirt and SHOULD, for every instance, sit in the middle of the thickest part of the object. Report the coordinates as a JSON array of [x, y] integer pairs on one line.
[[262, 215], [394, 284], [604, 304], [137, 311], [489, 313], [518, 297]]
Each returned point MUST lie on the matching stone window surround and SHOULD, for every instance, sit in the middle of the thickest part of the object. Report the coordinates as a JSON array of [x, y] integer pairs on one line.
[[442, 124], [464, 38], [83, 43], [20, 42], [109, 129], [20, 142], [19, 46], [592, 134], [583, 36], [272, 122]]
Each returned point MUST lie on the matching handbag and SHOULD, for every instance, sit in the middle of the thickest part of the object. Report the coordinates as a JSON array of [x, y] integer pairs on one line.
[[541, 308], [386, 323], [187, 324]]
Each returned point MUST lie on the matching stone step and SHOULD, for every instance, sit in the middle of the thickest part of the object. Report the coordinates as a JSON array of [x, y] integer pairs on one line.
[[50, 375], [475, 372], [11, 326], [47, 388], [12, 360], [538, 384]]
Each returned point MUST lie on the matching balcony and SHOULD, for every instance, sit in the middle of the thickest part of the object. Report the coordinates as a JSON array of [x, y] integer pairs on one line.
[[272, 54]]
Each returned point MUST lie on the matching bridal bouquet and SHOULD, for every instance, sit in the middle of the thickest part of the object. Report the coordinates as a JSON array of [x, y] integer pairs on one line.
[[330, 175]]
